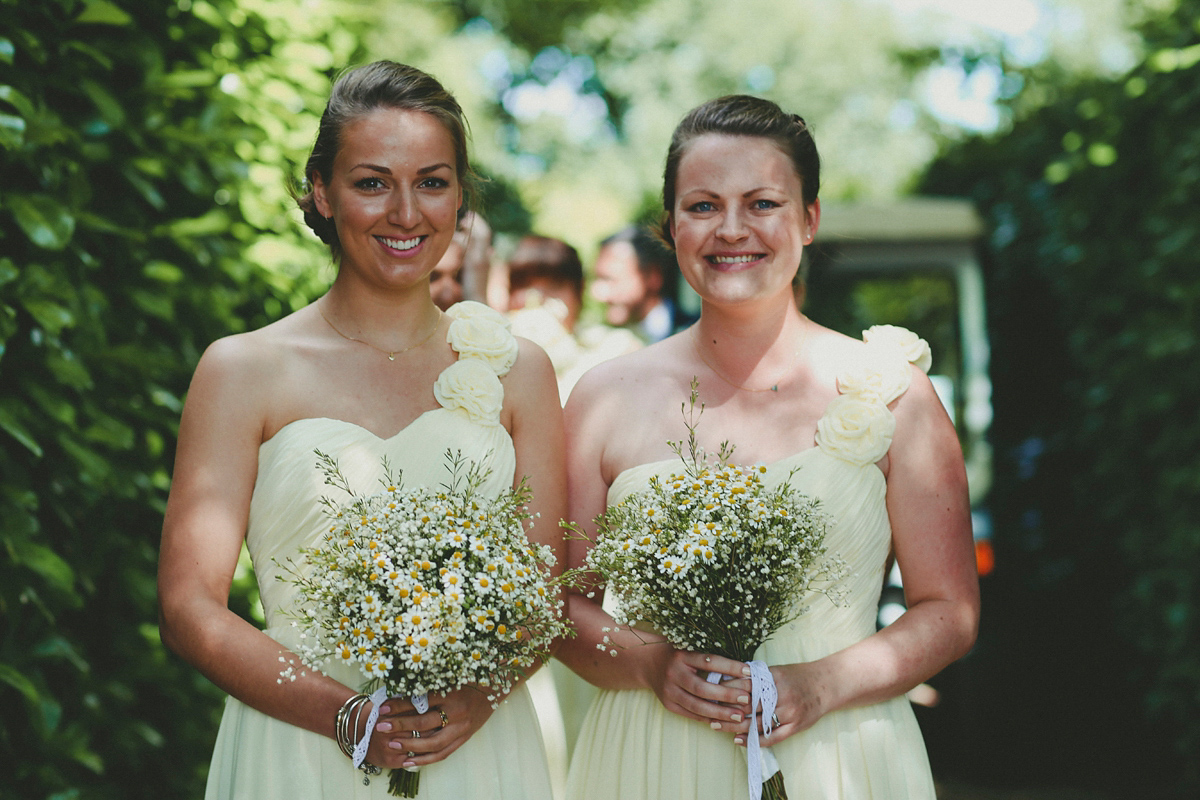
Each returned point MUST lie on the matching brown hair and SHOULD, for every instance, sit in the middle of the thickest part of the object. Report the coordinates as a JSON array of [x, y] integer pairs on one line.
[[361, 90], [544, 257], [743, 115]]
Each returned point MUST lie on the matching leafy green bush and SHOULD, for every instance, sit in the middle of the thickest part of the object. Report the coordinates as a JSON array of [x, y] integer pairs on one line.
[[143, 213], [1092, 621]]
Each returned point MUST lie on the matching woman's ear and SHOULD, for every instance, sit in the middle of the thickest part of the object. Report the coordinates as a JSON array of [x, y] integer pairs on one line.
[[320, 198]]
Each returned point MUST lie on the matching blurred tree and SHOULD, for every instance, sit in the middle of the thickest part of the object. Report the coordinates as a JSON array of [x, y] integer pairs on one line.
[[1093, 616], [143, 213], [573, 103]]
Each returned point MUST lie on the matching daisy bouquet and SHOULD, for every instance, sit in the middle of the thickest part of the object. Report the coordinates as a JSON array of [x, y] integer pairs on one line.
[[716, 561], [427, 590]]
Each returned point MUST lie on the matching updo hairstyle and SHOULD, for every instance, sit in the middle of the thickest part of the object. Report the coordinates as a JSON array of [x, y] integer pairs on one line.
[[743, 115], [356, 93]]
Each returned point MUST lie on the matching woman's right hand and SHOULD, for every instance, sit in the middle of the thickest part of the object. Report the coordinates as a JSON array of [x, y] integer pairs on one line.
[[679, 678]]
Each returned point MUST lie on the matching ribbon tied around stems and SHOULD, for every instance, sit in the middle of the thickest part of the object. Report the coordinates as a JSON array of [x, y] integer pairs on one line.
[[360, 749], [762, 693]]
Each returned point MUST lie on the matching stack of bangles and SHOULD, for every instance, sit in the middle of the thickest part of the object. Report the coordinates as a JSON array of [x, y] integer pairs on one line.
[[346, 728]]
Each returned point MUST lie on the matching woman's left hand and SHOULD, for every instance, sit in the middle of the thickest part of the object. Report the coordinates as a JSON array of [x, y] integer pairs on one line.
[[801, 703], [451, 720]]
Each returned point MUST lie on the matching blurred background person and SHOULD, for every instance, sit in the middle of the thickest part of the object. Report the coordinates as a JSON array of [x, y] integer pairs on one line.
[[545, 297], [464, 270], [636, 279], [546, 273]]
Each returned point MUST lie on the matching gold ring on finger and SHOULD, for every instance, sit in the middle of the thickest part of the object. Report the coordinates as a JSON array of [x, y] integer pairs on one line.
[[442, 714], [416, 734]]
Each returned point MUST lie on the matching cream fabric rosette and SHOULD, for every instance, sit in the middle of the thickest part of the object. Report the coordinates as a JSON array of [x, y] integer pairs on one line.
[[880, 372], [479, 332], [856, 429], [916, 350], [470, 384]]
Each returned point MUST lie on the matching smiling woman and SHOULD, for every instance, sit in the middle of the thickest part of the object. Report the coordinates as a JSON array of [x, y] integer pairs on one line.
[[372, 374], [853, 424]]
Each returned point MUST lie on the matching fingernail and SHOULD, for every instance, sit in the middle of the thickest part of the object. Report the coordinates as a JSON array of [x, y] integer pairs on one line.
[[743, 698], [738, 740], [396, 745], [409, 764], [746, 671], [716, 726], [385, 709], [384, 726], [736, 717]]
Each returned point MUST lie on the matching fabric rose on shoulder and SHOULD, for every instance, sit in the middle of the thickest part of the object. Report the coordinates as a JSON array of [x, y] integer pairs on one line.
[[479, 332], [915, 349], [470, 385], [856, 429], [877, 372]]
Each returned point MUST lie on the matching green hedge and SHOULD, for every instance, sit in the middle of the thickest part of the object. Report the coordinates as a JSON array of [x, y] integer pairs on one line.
[[1091, 638], [143, 150]]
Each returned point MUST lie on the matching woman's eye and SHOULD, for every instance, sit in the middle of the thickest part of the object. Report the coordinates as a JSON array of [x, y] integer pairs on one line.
[[368, 184], [702, 207], [763, 205], [434, 183]]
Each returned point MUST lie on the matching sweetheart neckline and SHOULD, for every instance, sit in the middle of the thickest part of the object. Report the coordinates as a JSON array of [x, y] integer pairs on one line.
[[662, 461], [362, 428]]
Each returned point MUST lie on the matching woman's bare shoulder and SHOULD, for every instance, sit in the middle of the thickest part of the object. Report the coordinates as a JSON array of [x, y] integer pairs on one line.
[[654, 368]]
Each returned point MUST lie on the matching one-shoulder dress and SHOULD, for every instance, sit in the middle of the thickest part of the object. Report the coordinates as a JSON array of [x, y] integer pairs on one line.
[[632, 748], [260, 757]]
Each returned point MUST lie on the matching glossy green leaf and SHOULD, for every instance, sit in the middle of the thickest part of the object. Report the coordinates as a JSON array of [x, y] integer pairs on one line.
[[50, 713], [102, 12], [43, 219], [93, 467], [7, 50], [68, 370], [12, 131], [106, 102], [51, 316], [10, 425], [20, 682], [17, 100], [58, 647], [111, 433], [156, 270], [47, 563], [8, 271]]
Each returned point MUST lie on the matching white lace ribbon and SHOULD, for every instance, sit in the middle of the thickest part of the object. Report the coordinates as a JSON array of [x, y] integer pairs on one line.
[[360, 749], [760, 761]]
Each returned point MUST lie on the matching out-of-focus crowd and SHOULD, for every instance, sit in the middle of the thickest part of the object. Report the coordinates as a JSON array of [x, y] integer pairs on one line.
[[540, 283]]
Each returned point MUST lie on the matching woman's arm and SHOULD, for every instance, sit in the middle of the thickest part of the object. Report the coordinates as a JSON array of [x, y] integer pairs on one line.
[[931, 534], [216, 464], [642, 660]]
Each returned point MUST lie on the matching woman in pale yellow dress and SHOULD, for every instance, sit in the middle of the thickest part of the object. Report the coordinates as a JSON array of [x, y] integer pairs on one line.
[[850, 422], [370, 370]]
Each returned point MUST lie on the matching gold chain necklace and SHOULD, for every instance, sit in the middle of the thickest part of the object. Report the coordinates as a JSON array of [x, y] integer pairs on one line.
[[773, 388], [391, 354]]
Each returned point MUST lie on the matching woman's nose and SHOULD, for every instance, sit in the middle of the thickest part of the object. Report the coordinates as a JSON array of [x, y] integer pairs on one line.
[[404, 210], [732, 227]]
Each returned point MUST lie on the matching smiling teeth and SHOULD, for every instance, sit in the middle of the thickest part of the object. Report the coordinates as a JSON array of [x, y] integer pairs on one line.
[[733, 259], [401, 244]]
